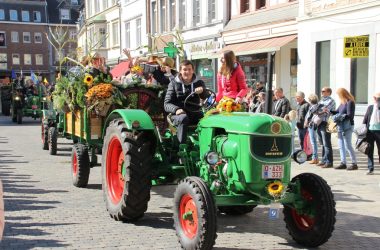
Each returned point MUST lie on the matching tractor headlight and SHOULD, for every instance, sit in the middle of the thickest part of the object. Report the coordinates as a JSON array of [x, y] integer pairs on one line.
[[44, 99], [17, 98], [300, 156], [212, 157]]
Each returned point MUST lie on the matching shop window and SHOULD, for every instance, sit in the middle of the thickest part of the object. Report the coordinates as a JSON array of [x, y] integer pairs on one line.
[[359, 79], [3, 40], [260, 4], [244, 6], [293, 74], [322, 72], [255, 67], [205, 70]]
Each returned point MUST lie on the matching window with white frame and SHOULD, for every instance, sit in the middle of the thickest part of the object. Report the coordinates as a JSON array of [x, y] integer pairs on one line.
[[3, 61], [27, 59], [15, 59], [37, 16], [196, 12], [14, 37], [39, 59], [154, 17], [37, 37], [3, 39], [127, 34], [25, 16], [97, 6], [64, 14], [138, 32], [182, 14], [2, 14], [115, 33], [105, 4], [103, 37], [211, 10], [13, 15], [26, 37], [163, 16], [172, 14], [89, 7]]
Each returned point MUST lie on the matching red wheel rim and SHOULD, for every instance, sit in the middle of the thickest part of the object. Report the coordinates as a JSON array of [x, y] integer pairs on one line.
[[114, 170], [75, 164], [303, 221], [188, 216]]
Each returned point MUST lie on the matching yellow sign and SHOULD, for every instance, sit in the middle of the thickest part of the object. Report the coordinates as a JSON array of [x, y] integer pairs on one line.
[[356, 46]]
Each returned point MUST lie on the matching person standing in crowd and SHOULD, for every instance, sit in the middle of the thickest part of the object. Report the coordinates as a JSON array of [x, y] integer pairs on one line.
[[179, 89], [326, 105], [259, 107], [282, 104], [231, 78], [312, 128], [372, 120], [302, 108], [98, 67], [344, 118]]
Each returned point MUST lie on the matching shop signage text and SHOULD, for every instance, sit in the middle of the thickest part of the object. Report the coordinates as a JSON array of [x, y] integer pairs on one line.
[[356, 46]]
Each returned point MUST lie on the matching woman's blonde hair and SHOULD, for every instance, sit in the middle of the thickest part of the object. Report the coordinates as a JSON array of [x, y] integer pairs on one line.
[[344, 95], [228, 65], [313, 98]]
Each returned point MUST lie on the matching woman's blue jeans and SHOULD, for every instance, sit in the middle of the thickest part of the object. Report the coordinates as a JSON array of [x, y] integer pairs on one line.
[[345, 144], [313, 141]]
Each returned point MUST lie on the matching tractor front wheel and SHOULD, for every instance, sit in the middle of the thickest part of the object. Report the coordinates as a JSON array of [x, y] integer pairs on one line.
[[194, 214], [53, 140], [126, 171], [236, 210], [313, 226], [80, 165], [45, 136]]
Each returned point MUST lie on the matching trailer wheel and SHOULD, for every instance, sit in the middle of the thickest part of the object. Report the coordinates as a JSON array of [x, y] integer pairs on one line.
[[52, 140], [126, 171], [236, 210], [194, 214], [45, 136], [80, 165], [19, 116], [312, 230]]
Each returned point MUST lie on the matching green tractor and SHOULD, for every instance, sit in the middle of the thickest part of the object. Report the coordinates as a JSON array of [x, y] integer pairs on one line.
[[26, 104], [231, 162]]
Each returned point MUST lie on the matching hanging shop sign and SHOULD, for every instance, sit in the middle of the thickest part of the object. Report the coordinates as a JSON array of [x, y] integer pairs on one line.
[[356, 46]]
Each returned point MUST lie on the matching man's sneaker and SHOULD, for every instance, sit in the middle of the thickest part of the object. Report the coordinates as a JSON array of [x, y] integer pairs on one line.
[[327, 165], [369, 172], [341, 166], [353, 166], [321, 164], [314, 161]]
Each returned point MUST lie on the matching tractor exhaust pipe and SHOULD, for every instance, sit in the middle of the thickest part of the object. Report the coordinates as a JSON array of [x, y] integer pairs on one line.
[[269, 94]]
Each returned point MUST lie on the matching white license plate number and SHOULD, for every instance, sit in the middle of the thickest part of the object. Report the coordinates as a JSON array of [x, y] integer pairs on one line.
[[273, 171]]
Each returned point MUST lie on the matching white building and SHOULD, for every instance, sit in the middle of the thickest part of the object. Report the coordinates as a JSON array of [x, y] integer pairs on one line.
[[323, 59]]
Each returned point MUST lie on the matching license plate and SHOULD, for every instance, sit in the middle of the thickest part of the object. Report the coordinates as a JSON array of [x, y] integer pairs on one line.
[[273, 171], [34, 106]]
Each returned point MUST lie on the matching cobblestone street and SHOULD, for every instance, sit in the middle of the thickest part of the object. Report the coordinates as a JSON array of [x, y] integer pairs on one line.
[[44, 210]]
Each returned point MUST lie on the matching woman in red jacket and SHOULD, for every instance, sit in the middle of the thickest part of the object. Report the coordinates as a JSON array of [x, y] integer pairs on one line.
[[231, 78]]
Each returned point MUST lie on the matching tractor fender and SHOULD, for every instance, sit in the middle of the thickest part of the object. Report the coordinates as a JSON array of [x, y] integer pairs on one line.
[[129, 116]]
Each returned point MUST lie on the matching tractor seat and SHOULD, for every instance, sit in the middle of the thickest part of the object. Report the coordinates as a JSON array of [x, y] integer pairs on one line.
[[173, 128]]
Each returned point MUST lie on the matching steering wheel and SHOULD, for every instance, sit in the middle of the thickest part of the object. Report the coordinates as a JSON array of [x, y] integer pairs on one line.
[[205, 104]]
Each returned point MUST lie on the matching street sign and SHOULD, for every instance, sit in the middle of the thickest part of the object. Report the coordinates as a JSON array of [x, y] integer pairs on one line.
[[356, 46], [171, 50]]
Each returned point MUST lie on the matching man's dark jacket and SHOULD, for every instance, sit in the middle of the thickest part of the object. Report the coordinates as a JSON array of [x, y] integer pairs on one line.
[[177, 93], [281, 107], [302, 109]]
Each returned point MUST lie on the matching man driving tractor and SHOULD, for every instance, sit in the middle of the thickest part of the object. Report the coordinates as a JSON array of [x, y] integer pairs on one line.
[[180, 87]]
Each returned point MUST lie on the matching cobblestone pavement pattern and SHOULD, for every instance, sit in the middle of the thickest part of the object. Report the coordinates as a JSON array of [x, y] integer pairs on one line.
[[44, 210]]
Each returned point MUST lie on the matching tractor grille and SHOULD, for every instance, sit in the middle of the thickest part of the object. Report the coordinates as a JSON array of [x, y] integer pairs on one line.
[[271, 147]]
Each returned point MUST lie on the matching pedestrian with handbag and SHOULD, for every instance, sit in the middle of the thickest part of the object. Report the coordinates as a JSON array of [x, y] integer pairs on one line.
[[312, 128], [372, 120], [344, 119], [302, 108]]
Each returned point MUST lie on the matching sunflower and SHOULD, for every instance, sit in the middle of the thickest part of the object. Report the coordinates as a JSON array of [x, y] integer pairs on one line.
[[88, 80], [275, 188], [136, 69]]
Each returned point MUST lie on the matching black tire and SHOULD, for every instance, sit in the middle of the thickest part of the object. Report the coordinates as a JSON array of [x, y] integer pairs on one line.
[[80, 165], [53, 140], [236, 210], [14, 114], [45, 136], [126, 190], [19, 116], [199, 196], [306, 230]]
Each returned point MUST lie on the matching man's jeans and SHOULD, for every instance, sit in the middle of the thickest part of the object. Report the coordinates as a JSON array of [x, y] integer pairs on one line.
[[373, 137], [301, 135], [345, 143], [325, 140], [313, 141]]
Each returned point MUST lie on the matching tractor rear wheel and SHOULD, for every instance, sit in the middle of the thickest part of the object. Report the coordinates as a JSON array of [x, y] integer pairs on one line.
[[194, 214], [45, 136], [19, 116], [236, 210], [126, 171], [53, 140], [80, 165], [312, 230]]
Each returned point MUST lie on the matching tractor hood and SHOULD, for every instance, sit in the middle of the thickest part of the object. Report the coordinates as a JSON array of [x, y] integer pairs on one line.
[[247, 123]]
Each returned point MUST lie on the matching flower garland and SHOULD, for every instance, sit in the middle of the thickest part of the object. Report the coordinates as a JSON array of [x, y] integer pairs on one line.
[[228, 105]]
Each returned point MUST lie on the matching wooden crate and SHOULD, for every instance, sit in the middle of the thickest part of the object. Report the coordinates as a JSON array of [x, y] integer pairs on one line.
[[96, 127], [78, 123]]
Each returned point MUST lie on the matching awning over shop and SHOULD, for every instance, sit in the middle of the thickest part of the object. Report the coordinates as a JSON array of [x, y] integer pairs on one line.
[[120, 69], [260, 46]]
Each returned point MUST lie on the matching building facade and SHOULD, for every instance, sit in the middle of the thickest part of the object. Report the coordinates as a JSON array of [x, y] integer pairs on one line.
[[328, 58]]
